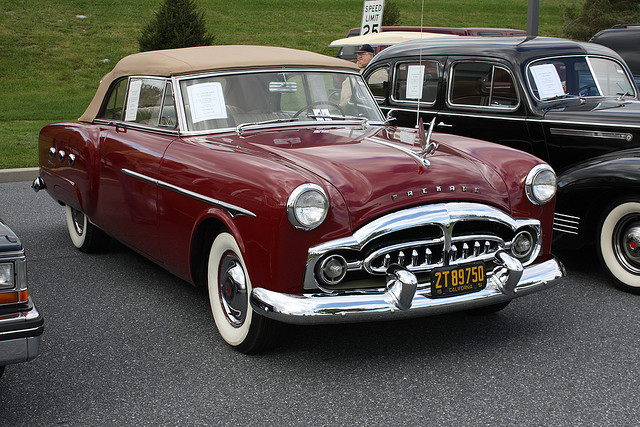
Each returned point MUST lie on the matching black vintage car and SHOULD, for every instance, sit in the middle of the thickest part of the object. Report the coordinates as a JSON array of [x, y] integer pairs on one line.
[[624, 40], [21, 324], [570, 103]]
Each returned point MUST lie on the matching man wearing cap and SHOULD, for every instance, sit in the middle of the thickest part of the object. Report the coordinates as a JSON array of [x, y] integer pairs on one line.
[[365, 55]]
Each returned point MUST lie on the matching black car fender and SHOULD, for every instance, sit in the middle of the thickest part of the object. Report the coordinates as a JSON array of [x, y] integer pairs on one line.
[[587, 189]]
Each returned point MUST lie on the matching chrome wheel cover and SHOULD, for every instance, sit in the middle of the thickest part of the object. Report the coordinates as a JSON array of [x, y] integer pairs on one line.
[[626, 242], [233, 289], [78, 221]]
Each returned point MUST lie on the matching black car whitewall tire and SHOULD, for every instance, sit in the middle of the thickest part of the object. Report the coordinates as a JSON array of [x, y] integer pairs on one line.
[[229, 289], [84, 235], [619, 244]]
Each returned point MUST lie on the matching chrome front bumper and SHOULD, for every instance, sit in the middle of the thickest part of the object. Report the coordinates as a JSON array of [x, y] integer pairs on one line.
[[20, 335], [363, 306]]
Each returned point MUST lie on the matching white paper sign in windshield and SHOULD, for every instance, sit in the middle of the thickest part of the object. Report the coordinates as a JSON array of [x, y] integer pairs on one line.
[[133, 98], [547, 81], [207, 102], [322, 114], [415, 77]]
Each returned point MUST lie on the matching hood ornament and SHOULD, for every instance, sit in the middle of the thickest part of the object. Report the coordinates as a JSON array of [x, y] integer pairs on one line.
[[428, 147]]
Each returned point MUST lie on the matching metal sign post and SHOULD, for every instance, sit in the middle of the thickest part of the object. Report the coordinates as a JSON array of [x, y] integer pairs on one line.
[[533, 15]]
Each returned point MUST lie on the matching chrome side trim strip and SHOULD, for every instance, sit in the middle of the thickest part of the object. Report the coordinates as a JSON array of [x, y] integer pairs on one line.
[[138, 126], [232, 209], [516, 118], [566, 223], [319, 308], [592, 134]]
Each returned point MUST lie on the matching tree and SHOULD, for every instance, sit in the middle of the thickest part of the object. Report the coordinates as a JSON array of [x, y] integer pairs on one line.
[[177, 24], [391, 14], [583, 20]]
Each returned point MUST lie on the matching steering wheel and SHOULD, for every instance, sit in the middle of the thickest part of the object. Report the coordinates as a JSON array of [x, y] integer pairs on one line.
[[308, 106], [586, 89]]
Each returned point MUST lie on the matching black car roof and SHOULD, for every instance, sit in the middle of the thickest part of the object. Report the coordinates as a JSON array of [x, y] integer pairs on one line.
[[516, 49]]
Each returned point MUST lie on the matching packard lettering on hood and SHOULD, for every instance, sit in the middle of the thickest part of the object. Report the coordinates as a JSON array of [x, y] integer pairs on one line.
[[452, 189], [275, 183]]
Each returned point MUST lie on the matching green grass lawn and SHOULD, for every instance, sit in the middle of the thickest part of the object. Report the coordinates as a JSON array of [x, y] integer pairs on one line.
[[53, 53]]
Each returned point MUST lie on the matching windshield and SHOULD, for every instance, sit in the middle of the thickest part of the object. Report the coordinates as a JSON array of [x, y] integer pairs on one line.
[[229, 100], [577, 76]]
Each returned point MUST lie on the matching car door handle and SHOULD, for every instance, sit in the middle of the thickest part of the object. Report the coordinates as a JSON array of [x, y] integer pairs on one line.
[[444, 125]]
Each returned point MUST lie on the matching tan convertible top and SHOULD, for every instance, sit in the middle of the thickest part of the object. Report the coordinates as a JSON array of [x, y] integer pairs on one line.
[[190, 60]]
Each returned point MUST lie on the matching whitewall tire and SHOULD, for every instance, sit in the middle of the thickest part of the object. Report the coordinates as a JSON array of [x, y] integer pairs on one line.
[[84, 235], [619, 244], [229, 287]]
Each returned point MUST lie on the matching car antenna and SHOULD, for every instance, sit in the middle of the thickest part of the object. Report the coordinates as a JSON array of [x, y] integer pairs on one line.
[[427, 147], [420, 64]]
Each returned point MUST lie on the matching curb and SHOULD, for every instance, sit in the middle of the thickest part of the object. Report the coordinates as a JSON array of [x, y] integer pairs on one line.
[[17, 175]]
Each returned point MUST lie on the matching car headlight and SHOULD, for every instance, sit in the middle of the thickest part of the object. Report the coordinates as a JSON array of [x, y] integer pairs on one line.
[[540, 184], [307, 206], [6, 276]]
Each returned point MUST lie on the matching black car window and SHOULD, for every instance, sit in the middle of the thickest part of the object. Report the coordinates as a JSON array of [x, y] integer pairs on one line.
[[578, 76], [405, 88], [482, 84], [378, 81]]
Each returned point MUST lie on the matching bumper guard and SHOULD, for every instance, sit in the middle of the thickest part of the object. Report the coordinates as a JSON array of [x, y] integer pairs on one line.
[[401, 299]]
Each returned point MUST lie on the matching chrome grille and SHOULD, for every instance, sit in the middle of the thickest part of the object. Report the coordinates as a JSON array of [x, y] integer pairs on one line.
[[422, 256], [420, 239]]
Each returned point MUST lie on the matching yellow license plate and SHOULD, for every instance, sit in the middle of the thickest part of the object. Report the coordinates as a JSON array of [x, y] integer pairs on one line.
[[457, 280]]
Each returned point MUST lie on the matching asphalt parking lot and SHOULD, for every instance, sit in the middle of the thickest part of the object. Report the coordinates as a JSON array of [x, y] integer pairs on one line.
[[127, 343]]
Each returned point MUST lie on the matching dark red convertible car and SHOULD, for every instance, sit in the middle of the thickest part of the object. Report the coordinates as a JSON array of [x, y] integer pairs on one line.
[[269, 176]]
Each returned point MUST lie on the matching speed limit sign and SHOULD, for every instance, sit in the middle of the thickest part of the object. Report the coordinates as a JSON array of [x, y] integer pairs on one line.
[[372, 17]]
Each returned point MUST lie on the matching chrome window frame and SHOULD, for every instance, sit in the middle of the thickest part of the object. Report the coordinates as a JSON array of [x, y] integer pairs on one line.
[[586, 57], [181, 112], [133, 125], [395, 82], [383, 66], [489, 107]]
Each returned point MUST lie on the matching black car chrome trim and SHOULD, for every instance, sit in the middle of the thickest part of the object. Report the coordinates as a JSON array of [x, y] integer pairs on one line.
[[413, 101], [232, 209], [566, 223], [481, 107], [533, 119], [532, 62], [592, 134]]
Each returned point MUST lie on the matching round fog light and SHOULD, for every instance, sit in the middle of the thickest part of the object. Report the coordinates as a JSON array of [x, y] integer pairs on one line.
[[332, 270], [522, 244]]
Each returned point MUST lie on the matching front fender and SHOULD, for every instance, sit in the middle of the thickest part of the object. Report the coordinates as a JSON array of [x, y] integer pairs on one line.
[[586, 189]]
